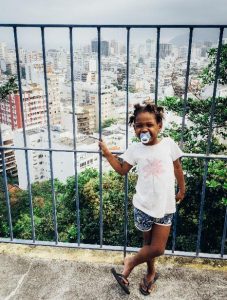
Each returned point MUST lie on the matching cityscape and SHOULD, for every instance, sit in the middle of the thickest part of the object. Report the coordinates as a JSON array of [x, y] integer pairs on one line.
[[141, 86]]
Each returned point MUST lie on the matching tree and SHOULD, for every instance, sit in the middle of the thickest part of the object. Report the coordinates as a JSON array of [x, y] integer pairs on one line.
[[208, 74], [9, 87], [195, 141]]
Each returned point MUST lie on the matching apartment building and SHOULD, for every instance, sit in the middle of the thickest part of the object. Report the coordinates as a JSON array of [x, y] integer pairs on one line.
[[9, 155], [63, 162]]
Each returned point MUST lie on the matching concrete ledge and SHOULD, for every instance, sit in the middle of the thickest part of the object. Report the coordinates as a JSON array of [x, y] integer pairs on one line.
[[51, 273], [104, 256]]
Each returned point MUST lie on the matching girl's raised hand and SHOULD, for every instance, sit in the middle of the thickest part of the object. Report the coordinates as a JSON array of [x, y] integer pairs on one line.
[[104, 148]]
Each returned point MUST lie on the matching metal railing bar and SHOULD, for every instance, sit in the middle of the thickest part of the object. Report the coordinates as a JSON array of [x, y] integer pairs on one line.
[[24, 134], [209, 143], [5, 183], [49, 138], [112, 25], [157, 64], [126, 176], [186, 86], [193, 155], [107, 247], [224, 234], [207, 157], [100, 137], [74, 138]]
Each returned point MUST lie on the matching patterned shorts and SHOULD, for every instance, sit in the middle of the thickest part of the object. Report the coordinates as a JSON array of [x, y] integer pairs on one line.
[[144, 222]]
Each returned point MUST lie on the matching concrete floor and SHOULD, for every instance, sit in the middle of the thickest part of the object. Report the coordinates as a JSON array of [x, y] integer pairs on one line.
[[28, 272]]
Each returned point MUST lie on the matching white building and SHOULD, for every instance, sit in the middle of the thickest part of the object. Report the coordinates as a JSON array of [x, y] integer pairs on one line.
[[63, 162], [9, 155]]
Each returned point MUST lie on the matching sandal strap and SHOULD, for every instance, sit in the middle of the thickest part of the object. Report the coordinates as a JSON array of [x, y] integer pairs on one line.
[[147, 284], [123, 277]]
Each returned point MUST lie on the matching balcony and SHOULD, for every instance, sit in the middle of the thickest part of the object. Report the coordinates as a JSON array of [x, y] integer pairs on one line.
[[185, 263]]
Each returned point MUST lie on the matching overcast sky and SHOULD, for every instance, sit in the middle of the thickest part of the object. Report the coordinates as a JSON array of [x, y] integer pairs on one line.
[[113, 12]]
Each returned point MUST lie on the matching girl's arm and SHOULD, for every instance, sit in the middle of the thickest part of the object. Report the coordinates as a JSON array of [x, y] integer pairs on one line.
[[120, 168], [180, 179]]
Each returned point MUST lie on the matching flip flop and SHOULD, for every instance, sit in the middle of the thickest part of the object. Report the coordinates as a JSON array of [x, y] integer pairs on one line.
[[120, 279], [148, 285]]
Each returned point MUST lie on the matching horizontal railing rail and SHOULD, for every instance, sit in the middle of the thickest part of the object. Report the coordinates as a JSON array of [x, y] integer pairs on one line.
[[206, 156]]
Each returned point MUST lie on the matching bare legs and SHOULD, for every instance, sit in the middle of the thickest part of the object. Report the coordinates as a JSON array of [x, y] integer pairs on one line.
[[147, 237], [158, 238]]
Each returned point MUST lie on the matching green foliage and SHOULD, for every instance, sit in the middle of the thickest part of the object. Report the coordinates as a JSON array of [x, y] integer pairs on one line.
[[195, 141], [108, 122], [208, 73], [9, 87], [198, 118]]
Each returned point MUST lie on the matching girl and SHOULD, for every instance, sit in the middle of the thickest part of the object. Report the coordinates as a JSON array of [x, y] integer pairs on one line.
[[155, 201]]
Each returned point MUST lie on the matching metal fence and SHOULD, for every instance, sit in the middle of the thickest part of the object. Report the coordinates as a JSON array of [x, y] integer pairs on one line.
[[206, 156]]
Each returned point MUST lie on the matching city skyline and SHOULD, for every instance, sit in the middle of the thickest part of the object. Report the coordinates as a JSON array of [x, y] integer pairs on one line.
[[30, 38]]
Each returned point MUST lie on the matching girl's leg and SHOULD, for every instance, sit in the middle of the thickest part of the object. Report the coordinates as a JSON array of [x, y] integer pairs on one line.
[[147, 237], [160, 236]]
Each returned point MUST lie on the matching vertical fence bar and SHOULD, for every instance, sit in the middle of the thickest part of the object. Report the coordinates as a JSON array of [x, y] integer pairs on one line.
[[49, 138], [6, 188], [213, 105], [24, 134], [100, 136], [74, 137], [186, 86], [174, 229], [157, 65], [224, 234], [126, 176], [209, 143], [183, 126]]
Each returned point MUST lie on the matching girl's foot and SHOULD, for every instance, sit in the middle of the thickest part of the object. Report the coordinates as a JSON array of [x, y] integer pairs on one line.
[[128, 266], [147, 284], [150, 277], [122, 280]]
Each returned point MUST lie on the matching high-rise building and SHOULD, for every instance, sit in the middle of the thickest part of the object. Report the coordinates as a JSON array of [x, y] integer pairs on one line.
[[10, 111], [165, 50], [104, 47], [3, 50], [114, 47], [33, 104], [149, 47]]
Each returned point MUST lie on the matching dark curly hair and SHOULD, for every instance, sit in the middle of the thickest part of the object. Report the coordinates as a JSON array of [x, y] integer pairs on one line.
[[158, 111]]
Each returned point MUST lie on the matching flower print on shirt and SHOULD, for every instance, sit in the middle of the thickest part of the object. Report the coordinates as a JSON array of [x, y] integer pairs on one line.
[[153, 167]]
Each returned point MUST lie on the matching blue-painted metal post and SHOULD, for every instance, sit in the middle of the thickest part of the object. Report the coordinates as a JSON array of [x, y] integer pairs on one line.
[[49, 139]]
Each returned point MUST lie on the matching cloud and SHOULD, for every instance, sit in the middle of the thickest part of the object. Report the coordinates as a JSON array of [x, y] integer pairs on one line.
[[114, 11], [106, 12]]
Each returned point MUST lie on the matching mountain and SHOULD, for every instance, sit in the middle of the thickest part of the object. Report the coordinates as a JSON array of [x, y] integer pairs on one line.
[[199, 36]]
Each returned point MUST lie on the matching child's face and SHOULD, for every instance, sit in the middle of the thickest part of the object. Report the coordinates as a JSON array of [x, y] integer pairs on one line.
[[146, 122]]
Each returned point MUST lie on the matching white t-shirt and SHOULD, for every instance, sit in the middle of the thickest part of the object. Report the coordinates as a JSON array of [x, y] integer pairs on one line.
[[155, 188]]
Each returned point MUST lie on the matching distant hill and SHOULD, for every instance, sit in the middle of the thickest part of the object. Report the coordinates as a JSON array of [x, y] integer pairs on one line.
[[199, 36]]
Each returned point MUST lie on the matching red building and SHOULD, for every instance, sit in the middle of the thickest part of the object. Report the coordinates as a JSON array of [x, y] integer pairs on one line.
[[10, 112], [33, 104]]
